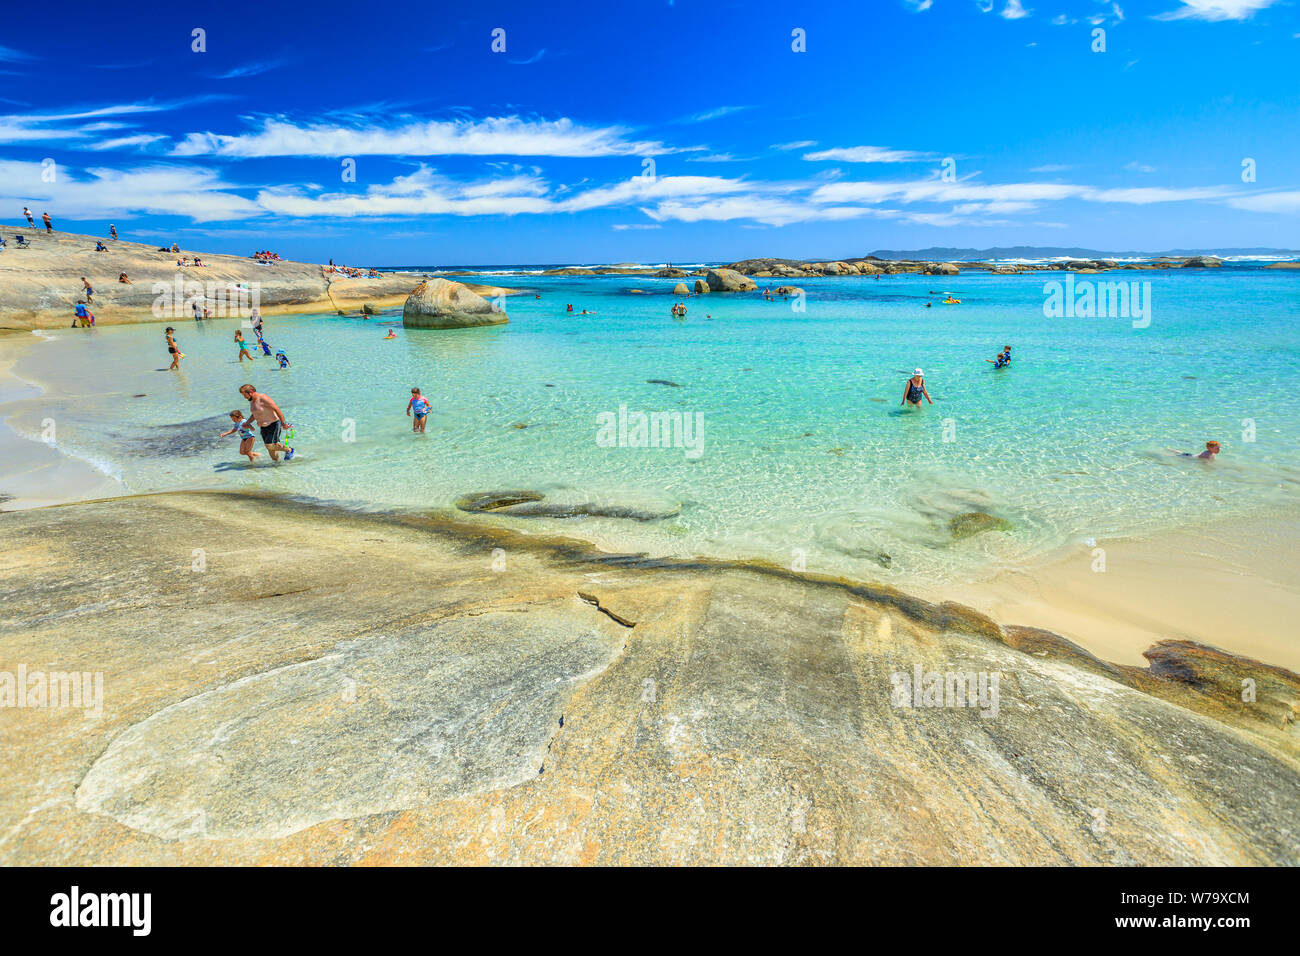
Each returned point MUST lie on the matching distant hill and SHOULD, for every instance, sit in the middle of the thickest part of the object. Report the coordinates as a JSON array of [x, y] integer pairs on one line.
[[946, 254]]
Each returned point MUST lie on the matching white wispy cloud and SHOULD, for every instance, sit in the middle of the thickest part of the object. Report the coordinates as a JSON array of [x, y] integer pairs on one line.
[[867, 154], [1215, 10], [72, 126], [918, 6], [716, 113], [532, 59], [937, 191], [10, 55], [134, 141], [493, 136], [164, 190], [250, 69], [1013, 11], [1283, 202], [797, 144]]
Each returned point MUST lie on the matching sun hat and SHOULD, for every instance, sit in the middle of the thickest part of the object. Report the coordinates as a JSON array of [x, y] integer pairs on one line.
[[918, 372]]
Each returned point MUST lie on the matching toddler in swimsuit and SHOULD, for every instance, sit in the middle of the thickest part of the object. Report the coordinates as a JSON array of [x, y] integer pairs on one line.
[[246, 435]]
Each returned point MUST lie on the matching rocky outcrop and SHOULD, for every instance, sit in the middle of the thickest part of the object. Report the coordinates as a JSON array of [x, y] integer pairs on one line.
[[443, 304], [728, 280], [570, 271], [40, 285], [671, 273], [701, 287], [370, 690], [681, 289], [1203, 262], [941, 269]]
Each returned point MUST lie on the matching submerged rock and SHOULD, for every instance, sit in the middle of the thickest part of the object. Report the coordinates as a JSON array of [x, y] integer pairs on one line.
[[971, 523], [533, 504], [443, 304]]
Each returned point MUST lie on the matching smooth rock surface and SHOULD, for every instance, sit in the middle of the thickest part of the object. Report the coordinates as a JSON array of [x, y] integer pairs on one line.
[[728, 280], [333, 689], [444, 304]]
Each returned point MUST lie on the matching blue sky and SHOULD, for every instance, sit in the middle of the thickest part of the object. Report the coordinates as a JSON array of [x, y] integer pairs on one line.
[[655, 131]]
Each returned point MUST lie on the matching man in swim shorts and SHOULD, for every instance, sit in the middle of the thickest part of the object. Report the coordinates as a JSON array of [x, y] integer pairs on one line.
[[263, 410]]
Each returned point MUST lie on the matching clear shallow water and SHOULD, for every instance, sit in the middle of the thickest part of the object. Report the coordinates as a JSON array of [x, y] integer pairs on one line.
[[805, 448]]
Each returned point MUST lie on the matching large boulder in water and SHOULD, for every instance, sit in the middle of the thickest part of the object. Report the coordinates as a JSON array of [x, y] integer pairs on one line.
[[728, 280], [681, 289], [702, 287], [443, 304], [941, 269]]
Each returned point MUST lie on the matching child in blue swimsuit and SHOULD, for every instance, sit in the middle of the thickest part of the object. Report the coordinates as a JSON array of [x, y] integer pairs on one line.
[[418, 408], [246, 435]]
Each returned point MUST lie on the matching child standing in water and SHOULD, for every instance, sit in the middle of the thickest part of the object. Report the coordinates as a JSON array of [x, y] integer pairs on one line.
[[243, 346], [246, 435], [418, 408]]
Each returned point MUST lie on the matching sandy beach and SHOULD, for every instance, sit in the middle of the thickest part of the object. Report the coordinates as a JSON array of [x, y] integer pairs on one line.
[[1233, 584]]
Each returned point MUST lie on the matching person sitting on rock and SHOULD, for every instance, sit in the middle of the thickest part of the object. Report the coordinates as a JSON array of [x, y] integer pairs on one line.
[[100, 247], [124, 279]]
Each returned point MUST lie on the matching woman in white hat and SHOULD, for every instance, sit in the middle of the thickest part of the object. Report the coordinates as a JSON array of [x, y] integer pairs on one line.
[[914, 391]]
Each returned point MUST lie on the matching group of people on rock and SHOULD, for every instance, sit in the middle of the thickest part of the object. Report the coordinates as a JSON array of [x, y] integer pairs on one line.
[[350, 273], [266, 255]]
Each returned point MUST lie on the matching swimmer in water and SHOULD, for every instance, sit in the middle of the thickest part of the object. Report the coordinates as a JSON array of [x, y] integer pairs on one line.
[[391, 334], [1003, 359], [915, 390]]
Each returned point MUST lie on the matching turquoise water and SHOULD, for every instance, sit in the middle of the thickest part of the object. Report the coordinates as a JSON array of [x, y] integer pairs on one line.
[[805, 449]]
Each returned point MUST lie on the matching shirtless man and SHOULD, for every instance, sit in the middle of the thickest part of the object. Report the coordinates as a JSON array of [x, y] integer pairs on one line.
[[267, 414]]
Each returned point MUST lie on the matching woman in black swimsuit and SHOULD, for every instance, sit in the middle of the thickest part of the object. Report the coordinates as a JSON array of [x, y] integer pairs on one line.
[[173, 349], [914, 391]]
